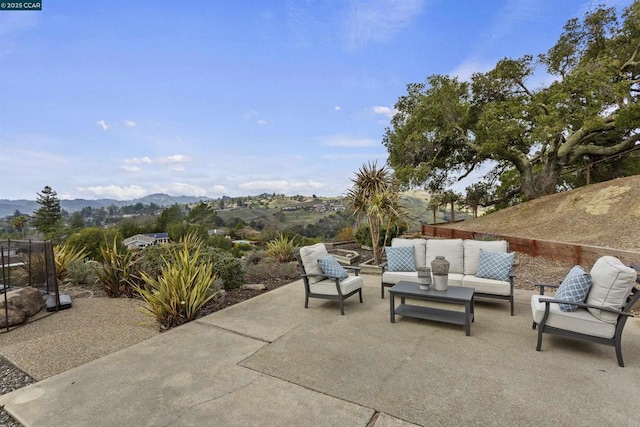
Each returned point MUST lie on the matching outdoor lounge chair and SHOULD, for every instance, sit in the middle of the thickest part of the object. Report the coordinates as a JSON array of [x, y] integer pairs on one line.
[[332, 283], [602, 315]]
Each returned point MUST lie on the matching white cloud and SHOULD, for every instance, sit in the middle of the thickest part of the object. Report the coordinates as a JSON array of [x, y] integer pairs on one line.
[[379, 20], [385, 111], [471, 66], [130, 123], [130, 169], [298, 158], [218, 190], [114, 191], [356, 156], [262, 122], [337, 108], [102, 124], [138, 160], [344, 141], [180, 189]]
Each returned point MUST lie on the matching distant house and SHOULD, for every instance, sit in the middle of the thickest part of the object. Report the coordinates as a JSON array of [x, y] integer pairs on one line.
[[140, 241]]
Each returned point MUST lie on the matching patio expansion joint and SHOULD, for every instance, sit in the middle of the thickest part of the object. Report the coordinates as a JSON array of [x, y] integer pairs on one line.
[[233, 332], [213, 399], [353, 402]]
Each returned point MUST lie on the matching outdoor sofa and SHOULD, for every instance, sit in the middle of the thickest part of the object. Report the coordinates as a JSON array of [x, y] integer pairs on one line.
[[486, 266]]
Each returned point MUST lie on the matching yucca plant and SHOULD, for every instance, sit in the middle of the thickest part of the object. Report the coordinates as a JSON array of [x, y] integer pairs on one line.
[[184, 286], [64, 255], [118, 273], [281, 248]]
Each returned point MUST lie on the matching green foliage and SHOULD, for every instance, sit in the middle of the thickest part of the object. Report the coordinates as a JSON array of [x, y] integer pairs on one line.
[[184, 286], [346, 234], [48, 218], [80, 272], [446, 128], [221, 242], [258, 268], [92, 239], [363, 235], [118, 273], [228, 269], [281, 249], [65, 254]]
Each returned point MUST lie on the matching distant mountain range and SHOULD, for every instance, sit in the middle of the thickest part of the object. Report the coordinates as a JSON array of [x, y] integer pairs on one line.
[[8, 207]]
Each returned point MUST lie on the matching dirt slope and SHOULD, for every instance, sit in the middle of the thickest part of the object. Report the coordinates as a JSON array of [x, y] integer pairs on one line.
[[605, 214]]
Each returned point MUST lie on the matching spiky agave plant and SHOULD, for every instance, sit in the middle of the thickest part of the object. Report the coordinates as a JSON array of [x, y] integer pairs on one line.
[[281, 248], [183, 287]]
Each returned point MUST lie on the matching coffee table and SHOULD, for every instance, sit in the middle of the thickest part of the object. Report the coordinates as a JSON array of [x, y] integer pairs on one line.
[[453, 295]]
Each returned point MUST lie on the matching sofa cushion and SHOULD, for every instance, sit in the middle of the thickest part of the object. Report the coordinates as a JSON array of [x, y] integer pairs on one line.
[[494, 265], [309, 256], [579, 321], [419, 249], [401, 258], [574, 288], [472, 252], [451, 249], [332, 268], [611, 283], [487, 286], [393, 277]]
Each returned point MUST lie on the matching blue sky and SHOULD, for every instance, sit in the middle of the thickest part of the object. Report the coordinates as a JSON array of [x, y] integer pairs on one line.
[[122, 99]]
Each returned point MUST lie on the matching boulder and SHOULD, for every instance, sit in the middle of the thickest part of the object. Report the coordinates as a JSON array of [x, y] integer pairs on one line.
[[27, 299], [15, 317], [254, 287]]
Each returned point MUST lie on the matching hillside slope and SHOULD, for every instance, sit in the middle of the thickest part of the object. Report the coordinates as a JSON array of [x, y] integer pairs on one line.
[[605, 214]]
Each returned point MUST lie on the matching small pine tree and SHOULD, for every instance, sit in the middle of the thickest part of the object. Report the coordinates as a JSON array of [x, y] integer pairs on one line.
[[48, 217]]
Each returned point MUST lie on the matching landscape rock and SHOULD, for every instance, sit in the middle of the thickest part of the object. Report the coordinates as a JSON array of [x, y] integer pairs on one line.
[[13, 316], [254, 287], [27, 299]]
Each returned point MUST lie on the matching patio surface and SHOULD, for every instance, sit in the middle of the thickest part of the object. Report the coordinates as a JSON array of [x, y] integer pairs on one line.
[[270, 362]]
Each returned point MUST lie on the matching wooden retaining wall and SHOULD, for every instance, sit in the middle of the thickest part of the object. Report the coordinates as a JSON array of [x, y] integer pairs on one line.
[[557, 251]]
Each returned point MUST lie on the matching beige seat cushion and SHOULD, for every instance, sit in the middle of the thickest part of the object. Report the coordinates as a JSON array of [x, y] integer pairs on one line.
[[578, 321], [328, 287], [611, 284], [394, 277], [487, 286], [310, 256], [451, 249], [472, 252], [419, 249]]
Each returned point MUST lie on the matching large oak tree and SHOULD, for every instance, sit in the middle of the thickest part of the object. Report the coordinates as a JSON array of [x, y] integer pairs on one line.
[[446, 128]]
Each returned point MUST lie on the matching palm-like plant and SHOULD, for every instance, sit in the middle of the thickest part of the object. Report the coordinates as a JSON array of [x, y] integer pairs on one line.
[[372, 196]]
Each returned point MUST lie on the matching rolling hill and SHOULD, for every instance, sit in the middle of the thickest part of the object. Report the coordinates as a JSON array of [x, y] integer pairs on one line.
[[606, 214]]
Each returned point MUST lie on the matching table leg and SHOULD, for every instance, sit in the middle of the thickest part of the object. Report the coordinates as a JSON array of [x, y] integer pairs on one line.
[[392, 308], [473, 305], [467, 318]]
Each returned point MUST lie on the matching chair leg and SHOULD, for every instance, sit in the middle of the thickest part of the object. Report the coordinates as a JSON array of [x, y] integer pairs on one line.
[[533, 325], [619, 352], [512, 308], [342, 307], [382, 291], [539, 346], [306, 301], [360, 292]]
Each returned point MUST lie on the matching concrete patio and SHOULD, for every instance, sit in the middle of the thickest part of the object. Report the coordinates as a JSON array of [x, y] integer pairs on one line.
[[270, 362]]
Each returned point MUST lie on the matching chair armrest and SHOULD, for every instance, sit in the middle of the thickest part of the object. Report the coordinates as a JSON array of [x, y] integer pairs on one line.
[[512, 272], [315, 275], [383, 266], [585, 305], [545, 285], [353, 268]]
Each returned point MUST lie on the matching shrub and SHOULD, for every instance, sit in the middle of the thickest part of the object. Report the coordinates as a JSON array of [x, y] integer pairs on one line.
[[269, 267], [65, 254], [346, 234], [183, 288], [118, 273], [81, 272], [228, 268], [281, 249]]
